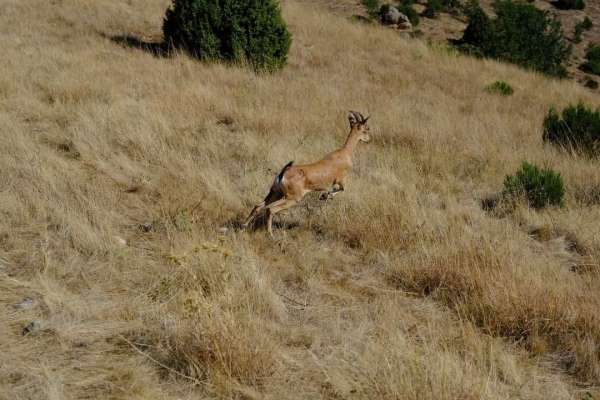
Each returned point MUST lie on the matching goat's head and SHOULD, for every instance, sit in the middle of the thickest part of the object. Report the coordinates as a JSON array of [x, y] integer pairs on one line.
[[359, 124]]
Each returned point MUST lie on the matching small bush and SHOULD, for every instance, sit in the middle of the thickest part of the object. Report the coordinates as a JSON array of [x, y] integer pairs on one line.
[[578, 128], [540, 188], [520, 34], [587, 23], [581, 27], [570, 4], [592, 56], [500, 87], [433, 8], [232, 30], [410, 12], [372, 7]]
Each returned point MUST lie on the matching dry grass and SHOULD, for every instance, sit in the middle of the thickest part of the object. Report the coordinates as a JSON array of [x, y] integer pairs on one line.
[[400, 288]]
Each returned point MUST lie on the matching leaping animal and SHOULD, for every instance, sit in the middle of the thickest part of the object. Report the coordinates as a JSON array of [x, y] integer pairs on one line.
[[327, 175]]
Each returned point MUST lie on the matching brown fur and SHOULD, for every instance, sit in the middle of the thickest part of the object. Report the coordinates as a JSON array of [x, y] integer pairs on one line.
[[328, 174]]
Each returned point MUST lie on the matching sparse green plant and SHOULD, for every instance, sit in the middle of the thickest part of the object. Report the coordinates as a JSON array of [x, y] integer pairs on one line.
[[592, 56], [539, 187], [520, 34], [570, 4], [577, 128], [372, 7], [587, 23], [500, 87], [250, 31], [581, 27]]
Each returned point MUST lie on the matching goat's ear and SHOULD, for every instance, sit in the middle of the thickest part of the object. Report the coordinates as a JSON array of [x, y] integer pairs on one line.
[[353, 118]]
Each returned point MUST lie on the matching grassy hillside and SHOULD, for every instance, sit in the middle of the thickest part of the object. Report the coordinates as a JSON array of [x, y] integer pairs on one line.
[[448, 26], [119, 167]]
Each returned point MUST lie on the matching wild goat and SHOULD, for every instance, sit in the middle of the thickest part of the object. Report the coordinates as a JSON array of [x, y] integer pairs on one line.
[[328, 174]]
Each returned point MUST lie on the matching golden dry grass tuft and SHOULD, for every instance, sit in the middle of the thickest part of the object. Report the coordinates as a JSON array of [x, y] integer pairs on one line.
[[119, 166]]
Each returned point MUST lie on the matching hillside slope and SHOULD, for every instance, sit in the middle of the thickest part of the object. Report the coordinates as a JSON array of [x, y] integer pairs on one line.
[[451, 27], [119, 168]]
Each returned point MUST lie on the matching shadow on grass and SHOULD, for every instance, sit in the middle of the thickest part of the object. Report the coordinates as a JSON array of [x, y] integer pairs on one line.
[[157, 49], [260, 223]]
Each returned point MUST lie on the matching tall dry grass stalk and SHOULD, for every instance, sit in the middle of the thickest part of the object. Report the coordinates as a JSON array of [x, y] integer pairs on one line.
[[118, 167]]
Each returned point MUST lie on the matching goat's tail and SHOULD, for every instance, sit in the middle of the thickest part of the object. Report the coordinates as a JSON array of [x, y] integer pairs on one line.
[[276, 191], [279, 178]]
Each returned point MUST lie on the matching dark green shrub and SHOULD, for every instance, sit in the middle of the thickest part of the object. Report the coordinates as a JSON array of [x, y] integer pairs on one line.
[[520, 34], [540, 188], [433, 8], [570, 4], [592, 56], [479, 32], [410, 12], [578, 128], [587, 23], [250, 31], [581, 27], [500, 87], [372, 7]]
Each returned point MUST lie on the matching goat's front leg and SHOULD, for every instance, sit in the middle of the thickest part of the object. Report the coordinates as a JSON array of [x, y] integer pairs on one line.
[[335, 189]]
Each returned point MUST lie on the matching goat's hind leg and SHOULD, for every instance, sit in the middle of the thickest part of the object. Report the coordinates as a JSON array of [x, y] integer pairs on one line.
[[257, 208], [276, 207], [273, 196]]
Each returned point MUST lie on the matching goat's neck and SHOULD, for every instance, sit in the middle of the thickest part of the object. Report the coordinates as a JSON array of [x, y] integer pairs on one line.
[[351, 142]]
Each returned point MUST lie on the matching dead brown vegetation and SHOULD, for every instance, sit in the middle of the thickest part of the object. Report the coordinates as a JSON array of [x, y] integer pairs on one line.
[[118, 168]]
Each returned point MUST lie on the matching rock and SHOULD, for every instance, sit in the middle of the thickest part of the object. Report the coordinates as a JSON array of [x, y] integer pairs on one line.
[[27, 304], [33, 328], [392, 16], [146, 227], [223, 230], [404, 25]]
